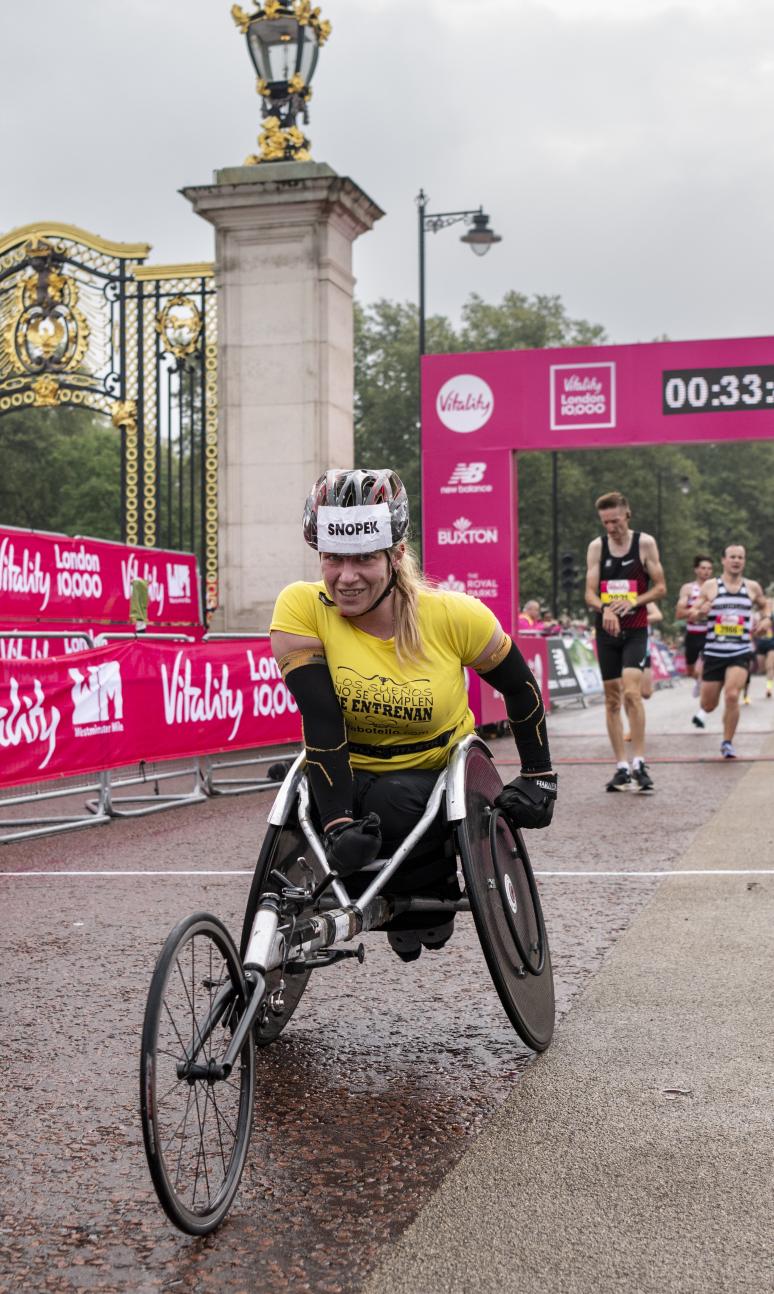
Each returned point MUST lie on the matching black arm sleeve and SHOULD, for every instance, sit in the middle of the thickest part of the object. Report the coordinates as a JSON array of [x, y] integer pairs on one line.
[[325, 739], [524, 706]]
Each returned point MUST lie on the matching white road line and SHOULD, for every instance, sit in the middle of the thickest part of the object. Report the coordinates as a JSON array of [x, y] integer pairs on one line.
[[711, 871]]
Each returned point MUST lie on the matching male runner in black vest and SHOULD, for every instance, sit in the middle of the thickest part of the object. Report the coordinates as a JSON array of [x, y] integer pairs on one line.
[[623, 574]]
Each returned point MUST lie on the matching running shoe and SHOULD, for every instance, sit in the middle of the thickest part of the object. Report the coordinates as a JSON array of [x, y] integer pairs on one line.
[[620, 781], [727, 750], [697, 722], [642, 778]]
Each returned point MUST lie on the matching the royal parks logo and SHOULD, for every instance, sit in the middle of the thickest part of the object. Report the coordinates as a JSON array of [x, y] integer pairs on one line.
[[452, 585], [464, 403], [464, 532], [484, 587], [468, 478], [582, 396]]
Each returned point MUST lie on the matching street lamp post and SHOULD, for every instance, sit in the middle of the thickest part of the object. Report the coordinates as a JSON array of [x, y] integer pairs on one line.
[[479, 238]]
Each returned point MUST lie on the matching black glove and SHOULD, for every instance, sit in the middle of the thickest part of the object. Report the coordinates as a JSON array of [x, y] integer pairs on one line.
[[529, 801], [350, 845]]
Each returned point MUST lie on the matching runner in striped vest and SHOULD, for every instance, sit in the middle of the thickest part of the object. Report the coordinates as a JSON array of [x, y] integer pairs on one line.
[[728, 604]]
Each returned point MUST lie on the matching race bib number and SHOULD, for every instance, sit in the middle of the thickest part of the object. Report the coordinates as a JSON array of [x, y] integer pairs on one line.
[[618, 591], [730, 627]]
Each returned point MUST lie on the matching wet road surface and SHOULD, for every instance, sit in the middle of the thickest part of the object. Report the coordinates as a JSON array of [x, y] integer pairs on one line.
[[381, 1079]]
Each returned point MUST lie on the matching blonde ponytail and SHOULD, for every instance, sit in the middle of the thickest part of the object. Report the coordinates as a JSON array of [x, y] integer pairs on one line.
[[409, 583]]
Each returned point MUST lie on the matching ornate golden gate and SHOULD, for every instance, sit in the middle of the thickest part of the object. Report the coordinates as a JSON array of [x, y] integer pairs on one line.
[[84, 322]]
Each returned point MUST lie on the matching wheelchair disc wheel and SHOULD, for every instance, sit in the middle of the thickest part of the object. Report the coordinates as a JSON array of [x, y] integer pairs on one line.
[[196, 1131], [506, 906], [281, 848]]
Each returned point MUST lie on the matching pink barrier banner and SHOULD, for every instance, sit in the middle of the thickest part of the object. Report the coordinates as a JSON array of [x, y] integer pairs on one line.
[[47, 578], [136, 701]]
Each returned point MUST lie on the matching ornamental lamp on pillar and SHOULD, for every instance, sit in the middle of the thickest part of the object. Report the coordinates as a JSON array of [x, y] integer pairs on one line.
[[283, 39]]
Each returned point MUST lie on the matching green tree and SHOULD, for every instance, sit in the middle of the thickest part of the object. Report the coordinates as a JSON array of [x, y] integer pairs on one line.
[[523, 323], [61, 470]]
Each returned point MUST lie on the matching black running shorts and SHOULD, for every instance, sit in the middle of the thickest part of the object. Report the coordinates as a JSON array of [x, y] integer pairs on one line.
[[627, 650], [764, 646], [694, 644], [715, 667]]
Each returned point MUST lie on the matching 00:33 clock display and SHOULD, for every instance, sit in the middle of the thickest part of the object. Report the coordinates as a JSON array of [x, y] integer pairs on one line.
[[718, 390]]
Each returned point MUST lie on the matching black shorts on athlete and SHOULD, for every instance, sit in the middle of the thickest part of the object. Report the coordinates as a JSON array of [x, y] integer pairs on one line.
[[715, 667], [617, 652], [694, 645], [764, 646]]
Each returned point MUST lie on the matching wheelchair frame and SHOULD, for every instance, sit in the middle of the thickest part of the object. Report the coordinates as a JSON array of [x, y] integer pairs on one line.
[[297, 928]]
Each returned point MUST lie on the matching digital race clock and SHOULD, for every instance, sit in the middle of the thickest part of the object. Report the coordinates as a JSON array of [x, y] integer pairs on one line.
[[718, 390]]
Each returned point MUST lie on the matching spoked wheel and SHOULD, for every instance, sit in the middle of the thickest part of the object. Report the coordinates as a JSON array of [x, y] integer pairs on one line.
[[506, 906], [196, 1128], [281, 849]]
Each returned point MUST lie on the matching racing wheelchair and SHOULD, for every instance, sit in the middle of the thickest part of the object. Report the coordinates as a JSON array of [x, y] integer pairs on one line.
[[210, 1005]]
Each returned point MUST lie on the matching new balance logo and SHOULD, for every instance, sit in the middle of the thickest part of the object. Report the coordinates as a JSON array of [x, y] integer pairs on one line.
[[467, 474], [467, 478]]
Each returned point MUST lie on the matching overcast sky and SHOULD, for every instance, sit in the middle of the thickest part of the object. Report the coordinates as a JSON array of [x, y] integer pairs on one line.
[[622, 147]]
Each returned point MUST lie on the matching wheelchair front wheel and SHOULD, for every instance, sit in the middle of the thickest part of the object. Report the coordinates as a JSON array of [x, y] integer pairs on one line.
[[281, 849], [506, 907], [196, 1129]]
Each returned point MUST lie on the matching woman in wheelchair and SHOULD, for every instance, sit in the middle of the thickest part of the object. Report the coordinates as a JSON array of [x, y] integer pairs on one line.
[[375, 658]]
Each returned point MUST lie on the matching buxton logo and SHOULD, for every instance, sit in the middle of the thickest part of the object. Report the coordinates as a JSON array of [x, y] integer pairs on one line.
[[465, 532], [352, 528], [464, 403]]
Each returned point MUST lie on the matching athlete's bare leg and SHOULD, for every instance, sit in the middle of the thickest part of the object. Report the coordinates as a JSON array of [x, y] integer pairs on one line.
[[635, 710], [613, 699], [736, 677], [769, 672], [710, 696], [646, 686]]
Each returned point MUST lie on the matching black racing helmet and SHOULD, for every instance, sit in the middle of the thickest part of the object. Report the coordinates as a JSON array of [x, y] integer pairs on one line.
[[359, 487]]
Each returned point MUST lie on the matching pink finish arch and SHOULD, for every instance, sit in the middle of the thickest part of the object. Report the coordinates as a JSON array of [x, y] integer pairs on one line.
[[479, 410]]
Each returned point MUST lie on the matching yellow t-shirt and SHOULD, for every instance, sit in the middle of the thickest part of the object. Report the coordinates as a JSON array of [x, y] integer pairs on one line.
[[387, 702]]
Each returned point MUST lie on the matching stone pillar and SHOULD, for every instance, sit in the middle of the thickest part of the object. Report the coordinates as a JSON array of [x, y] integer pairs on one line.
[[283, 267]]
